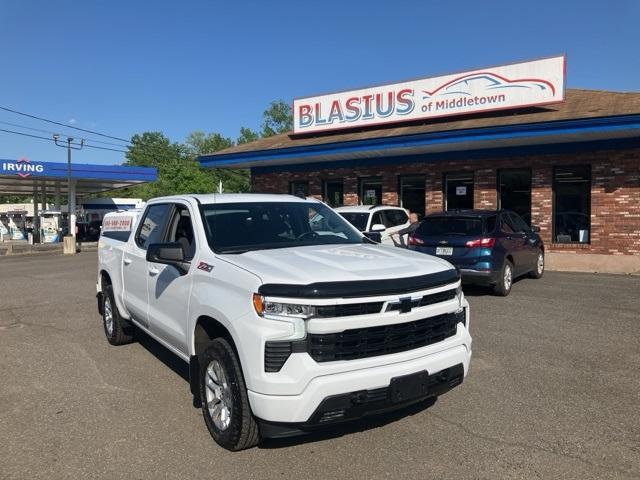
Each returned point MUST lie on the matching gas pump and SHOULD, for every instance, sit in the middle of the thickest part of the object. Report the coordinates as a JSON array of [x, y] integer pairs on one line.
[[49, 228], [4, 231], [17, 225]]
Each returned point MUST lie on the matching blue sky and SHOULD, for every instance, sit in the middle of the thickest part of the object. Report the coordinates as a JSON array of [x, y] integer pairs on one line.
[[123, 67]]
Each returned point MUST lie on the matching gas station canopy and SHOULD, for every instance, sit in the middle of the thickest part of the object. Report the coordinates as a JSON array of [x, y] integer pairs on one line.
[[18, 177]]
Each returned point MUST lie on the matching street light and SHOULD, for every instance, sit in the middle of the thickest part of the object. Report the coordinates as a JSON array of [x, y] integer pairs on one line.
[[71, 192]]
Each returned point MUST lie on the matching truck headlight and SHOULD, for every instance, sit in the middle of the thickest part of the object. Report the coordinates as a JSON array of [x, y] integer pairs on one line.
[[459, 296], [292, 313], [265, 307]]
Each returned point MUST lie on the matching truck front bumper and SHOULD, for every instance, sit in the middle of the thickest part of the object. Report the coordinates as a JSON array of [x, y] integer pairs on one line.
[[334, 398]]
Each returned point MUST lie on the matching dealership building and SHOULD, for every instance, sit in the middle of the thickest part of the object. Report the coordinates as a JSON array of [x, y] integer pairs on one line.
[[512, 137]]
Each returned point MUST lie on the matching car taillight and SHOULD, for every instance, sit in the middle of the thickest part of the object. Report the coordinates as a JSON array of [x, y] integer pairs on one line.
[[481, 242], [415, 241]]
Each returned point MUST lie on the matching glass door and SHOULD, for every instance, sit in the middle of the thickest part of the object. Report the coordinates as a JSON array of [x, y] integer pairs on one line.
[[458, 191], [412, 194], [515, 191], [334, 192], [371, 191]]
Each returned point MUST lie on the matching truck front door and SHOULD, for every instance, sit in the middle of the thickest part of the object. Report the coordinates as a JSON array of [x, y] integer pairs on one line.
[[168, 289], [135, 269]]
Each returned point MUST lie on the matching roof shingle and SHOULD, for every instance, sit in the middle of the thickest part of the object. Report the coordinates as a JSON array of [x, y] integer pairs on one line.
[[578, 104]]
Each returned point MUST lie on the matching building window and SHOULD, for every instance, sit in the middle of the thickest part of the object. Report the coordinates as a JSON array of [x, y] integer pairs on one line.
[[299, 188], [371, 191], [572, 204], [334, 192], [515, 191], [412, 194], [458, 191]]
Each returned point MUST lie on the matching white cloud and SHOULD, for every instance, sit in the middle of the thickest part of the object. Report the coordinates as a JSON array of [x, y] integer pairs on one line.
[[72, 121]]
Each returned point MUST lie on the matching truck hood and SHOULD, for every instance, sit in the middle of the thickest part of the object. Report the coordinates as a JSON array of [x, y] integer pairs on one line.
[[336, 263]]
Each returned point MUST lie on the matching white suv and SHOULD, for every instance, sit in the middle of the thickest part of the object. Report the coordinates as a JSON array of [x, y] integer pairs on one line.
[[381, 219], [288, 317]]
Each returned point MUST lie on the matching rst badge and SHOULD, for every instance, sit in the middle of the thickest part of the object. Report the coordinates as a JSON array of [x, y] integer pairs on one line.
[[205, 267]]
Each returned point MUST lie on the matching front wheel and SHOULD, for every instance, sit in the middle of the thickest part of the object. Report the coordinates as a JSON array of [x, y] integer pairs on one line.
[[225, 403], [505, 280], [538, 270]]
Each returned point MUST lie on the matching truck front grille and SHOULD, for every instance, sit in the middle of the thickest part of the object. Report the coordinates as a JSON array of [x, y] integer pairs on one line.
[[383, 340], [348, 309], [426, 300], [364, 342]]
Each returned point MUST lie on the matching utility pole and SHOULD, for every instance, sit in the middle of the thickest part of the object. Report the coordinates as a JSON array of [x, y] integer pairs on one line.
[[71, 187]]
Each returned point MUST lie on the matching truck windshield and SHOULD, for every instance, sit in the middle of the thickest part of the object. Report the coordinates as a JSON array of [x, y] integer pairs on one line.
[[240, 227]]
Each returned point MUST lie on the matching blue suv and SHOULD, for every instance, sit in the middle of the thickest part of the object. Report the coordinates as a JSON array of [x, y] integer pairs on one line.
[[489, 247]]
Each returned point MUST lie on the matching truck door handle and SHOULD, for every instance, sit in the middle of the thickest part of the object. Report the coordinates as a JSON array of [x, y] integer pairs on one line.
[[153, 271], [127, 261]]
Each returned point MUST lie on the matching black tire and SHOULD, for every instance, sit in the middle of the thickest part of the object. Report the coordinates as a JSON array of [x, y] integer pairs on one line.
[[503, 286], [538, 269], [242, 431], [118, 331]]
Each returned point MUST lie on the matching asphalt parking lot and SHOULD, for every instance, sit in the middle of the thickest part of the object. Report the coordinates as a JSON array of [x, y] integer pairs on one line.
[[553, 392]]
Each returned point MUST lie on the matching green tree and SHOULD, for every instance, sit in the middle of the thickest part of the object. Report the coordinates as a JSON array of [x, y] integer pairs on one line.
[[247, 135], [151, 149], [199, 143], [276, 119], [178, 172]]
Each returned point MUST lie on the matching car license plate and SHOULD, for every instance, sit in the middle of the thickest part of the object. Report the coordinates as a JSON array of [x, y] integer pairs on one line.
[[409, 387], [444, 250]]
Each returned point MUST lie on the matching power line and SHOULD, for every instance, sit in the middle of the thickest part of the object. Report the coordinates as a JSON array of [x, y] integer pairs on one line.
[[51, 140], [152, 147], [62, 124], [61, 133]]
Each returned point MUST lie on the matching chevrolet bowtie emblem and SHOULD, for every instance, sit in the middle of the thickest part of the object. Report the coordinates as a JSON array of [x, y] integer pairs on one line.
[[405, 305]]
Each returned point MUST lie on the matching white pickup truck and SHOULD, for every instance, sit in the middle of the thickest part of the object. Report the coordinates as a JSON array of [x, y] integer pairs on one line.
[[289, 318]]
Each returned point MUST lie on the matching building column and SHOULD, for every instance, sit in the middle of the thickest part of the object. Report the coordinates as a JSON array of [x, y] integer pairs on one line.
[[350, 190], [541, 201], [390, 188], [433, 192], [57, 197], [485, 192], [315, 188]]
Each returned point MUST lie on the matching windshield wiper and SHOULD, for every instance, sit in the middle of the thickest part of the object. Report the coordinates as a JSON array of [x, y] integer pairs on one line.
[[236, 251]]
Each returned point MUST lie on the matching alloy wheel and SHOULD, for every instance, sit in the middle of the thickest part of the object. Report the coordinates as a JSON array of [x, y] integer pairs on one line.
[[540, 264], [108, 316], [218, 392], [508, 277]]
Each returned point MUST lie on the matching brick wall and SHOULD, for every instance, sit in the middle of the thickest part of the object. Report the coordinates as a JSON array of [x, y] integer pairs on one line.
[[615, 191]]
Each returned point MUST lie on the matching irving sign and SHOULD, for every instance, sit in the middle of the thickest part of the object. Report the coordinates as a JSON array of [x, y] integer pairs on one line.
[[518, 85], [23, 168]]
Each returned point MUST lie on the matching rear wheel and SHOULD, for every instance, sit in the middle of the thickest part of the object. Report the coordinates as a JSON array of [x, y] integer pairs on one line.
[[505, 280], [538, 270], [225, 403], [117, 330]]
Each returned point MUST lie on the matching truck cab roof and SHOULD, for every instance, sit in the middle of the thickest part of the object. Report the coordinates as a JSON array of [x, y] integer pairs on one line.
[[210, 198]]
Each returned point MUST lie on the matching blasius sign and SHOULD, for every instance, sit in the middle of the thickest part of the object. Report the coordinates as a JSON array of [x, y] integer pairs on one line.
[[518, 85], [23, 168]]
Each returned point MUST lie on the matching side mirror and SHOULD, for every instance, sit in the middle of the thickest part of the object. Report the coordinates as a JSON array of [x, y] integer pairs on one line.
[[535, 228], [372, 237], [168, 254], [378, 227]]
